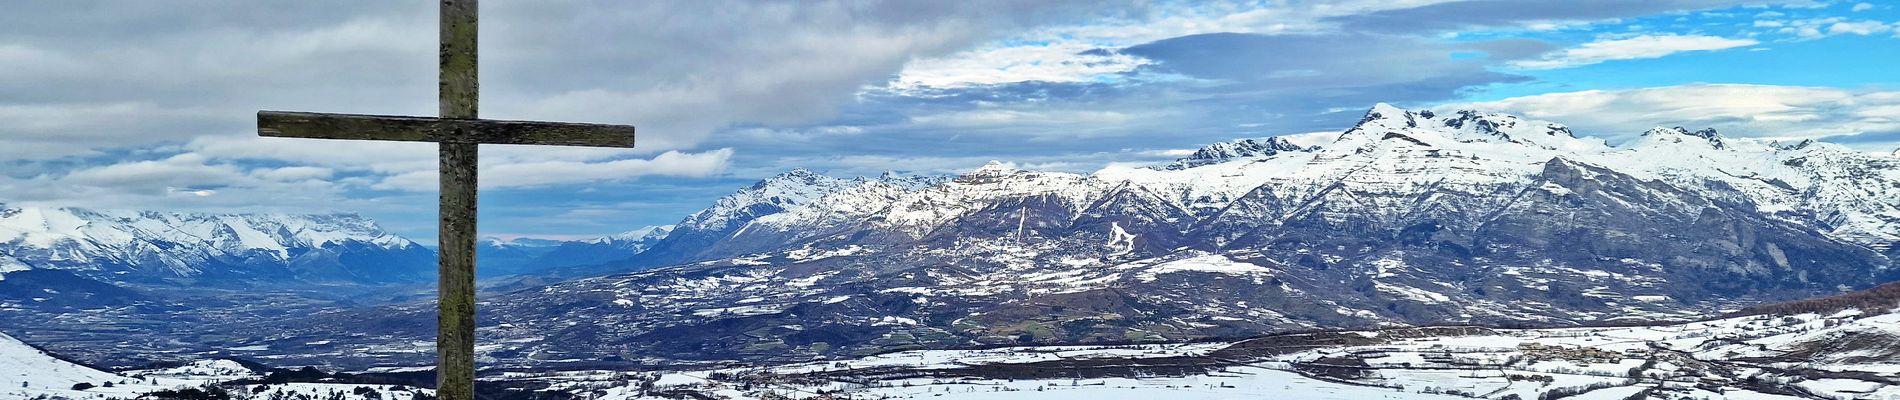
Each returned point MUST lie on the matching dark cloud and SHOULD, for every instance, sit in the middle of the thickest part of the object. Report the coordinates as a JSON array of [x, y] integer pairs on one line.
[[1200, 89], [82, 76], [87, 82], [117, 89], [1231, 85], [1320, 61]]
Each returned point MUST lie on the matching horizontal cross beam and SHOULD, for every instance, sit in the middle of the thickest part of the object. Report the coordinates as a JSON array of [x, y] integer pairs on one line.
[[441, 130]]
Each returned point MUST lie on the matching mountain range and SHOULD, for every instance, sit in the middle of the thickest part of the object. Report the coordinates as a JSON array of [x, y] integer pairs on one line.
[[530, 256], [207, 248], [1409, 217], [1406, 218], [130, 286]]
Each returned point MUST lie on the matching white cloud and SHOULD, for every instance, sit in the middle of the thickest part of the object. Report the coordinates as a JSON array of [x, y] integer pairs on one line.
[[1858, 7], [1736, 110], [670, 163], [290, 174], [185, 181], [1055, 62], [872, 165], [1805, 4], [347, 155], [1013, 117], [1816, 28], [146, 74], [1858, 28], [1038, 124], [1056, 53], [556, 172], [183, 170], [1640, 47]]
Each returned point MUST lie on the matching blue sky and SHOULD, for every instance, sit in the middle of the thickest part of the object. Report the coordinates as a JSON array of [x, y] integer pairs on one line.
[[149, 105]]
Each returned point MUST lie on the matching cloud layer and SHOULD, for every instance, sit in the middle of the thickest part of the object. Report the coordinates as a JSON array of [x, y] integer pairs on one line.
[[1852, 117], [1634, 48], [149, 105]]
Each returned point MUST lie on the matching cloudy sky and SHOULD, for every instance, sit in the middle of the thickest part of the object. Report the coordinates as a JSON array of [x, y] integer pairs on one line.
[[149, 105]]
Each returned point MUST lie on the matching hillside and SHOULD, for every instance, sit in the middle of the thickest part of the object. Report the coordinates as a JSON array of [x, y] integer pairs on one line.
[[1406, 218]]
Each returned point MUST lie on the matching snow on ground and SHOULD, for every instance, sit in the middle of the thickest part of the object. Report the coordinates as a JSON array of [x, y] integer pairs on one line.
[[1214, 263], [341, 391], [202, 370], [1689, 360], [1234, 383], [1237, 383], [26, 372]]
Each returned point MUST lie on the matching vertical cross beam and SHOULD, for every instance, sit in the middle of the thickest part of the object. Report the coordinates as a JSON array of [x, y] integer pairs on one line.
[[458, 132], [459, 92]]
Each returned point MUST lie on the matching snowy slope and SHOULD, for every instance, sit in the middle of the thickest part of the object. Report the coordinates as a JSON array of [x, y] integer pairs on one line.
[[1378, 170], [29, 370], [1753, 357], [26, 373], [1842, 354], [1791, 356], [1408, 217]]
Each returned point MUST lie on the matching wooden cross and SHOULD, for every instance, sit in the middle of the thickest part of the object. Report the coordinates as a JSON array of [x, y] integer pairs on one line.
[[458, 132]]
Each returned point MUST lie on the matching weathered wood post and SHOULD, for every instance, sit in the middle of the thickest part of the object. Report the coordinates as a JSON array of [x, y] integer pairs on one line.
[[459, 90]]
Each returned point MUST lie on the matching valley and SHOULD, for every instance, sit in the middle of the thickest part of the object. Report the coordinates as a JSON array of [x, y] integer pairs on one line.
[[1418, 253]]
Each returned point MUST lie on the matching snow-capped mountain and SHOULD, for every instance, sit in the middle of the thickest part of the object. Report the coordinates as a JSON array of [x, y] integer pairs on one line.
[[1240, 148], [1406, 218], [596, 252], [498, 257], [635, 238], [207, 248], [1394, 155], [779, 210]]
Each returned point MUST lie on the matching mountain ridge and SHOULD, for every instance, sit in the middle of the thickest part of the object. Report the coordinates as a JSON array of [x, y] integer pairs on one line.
[[202, 247], [1406, 218]]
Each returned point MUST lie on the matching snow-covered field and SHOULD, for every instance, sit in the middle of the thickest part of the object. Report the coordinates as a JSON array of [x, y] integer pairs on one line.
[[1757, 357], [28, 373]]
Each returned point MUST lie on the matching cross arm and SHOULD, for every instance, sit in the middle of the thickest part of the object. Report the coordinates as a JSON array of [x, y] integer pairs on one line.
[[441, 130]]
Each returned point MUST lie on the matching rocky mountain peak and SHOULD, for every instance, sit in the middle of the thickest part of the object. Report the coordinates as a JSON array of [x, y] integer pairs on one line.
[[992, 169], [1236, 149], [796, 176], [520, 242], [643, 234], [1683, 135], [1802, 144], [1384, 110], [1386, 117], [1386, 124]]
